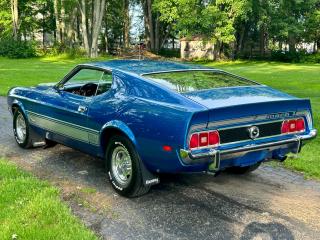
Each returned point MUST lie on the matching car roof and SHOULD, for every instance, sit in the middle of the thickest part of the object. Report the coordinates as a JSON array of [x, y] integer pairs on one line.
[[144, 66]]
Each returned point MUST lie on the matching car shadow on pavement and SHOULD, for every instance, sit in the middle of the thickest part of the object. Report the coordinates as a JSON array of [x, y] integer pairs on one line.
[[274, 231]]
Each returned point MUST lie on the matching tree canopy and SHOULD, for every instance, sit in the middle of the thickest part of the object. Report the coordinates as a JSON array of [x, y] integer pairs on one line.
[[237, 28]]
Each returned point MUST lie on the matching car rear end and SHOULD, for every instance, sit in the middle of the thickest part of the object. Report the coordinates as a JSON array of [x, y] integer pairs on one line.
[[247, 134], [244, 123]]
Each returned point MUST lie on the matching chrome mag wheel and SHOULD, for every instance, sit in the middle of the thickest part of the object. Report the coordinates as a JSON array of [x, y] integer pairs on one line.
[[121, 165], [21, 129]]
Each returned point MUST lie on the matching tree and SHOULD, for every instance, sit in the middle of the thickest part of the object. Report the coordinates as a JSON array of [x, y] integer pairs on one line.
[[126, 24], [212, 20], [91, 18], [5, 19], [15, 18], [312, 33], [149, 23]]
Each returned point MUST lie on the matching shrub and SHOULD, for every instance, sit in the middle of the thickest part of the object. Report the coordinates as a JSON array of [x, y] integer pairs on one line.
[[17, 49], [284, 56], [169, 53], [311, 58], [62, 49]]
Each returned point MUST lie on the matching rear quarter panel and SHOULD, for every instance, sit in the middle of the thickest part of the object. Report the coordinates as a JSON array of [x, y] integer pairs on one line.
[[157, 117]]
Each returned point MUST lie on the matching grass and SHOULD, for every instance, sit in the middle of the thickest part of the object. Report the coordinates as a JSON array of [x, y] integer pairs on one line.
[[301, 80], [29, 72], [32, 209]]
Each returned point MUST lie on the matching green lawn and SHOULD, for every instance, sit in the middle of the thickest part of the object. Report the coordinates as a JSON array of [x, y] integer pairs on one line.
[[302, 80], [28, 72], [32, 209]]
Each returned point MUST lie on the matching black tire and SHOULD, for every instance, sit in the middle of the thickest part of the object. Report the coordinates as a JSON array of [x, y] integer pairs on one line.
[[50, 143], [244, 170], [25, 142], [134, 186]]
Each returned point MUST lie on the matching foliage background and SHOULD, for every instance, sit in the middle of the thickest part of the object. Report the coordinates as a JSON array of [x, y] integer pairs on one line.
[[259, 29]]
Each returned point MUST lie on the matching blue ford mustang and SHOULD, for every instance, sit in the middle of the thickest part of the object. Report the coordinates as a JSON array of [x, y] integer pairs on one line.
[[149, 117]]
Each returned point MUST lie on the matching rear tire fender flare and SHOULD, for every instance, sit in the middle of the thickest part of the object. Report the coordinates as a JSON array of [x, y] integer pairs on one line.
[[118, 126], [149, 178]]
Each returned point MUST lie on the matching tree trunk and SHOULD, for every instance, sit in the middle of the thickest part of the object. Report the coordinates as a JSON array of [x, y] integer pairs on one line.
[[151, 28], [240, 42], [216, 51], [262, 41], [83, 12], [165, 37], [292, 43], [126, 27], [56, 16], [43, 31], [173, 39], [149, 24], [106, 34], [71, 28], [157, 35], [77, 29], [99, 8], [15, 19], [91, 27], [280, 45], [146, 24], [106, 43], [62, 22], [318, 46]]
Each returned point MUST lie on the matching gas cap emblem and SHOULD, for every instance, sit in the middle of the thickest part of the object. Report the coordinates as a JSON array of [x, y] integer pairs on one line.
[[253, 132]]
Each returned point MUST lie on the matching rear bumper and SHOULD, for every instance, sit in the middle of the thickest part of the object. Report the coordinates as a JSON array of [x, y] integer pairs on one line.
[[213, 154]]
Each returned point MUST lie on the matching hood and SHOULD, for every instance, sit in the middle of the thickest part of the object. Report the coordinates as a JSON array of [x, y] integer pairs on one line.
[[45, 86]]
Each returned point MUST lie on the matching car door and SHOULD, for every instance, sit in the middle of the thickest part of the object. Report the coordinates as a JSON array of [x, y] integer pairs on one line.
[[63, 112]]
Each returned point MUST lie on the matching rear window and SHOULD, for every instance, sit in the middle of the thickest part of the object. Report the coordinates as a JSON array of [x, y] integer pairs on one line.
[[188, 81]]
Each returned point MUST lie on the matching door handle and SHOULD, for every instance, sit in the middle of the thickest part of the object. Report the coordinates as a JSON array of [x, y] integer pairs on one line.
[[82, 109]]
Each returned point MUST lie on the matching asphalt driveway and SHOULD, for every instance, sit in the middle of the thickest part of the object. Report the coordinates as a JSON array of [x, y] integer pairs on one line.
[[271, 203]]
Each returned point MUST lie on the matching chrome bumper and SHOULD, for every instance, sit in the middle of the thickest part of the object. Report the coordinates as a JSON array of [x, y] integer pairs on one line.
[[188, 157]]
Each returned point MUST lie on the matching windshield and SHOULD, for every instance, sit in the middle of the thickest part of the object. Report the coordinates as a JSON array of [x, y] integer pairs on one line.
[[188, 81]]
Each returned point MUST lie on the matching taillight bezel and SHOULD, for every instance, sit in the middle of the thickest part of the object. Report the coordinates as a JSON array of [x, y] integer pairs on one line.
[[208, 141], [288, 132]]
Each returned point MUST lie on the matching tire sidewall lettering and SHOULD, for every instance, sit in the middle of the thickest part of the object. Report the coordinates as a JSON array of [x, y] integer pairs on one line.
[[113, 182]]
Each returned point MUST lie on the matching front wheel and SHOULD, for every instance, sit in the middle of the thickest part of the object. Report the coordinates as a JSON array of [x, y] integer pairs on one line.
[[124, 167], [21, 129]]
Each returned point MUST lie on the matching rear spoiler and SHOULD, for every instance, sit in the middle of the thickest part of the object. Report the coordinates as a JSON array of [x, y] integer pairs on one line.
[[252, 112]]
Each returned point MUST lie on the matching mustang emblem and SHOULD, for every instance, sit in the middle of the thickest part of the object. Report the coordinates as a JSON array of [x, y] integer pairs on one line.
[[253, 132]]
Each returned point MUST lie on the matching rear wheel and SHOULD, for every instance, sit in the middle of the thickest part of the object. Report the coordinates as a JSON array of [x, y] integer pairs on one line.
[[21, 129], [124, 167], [244, 170]]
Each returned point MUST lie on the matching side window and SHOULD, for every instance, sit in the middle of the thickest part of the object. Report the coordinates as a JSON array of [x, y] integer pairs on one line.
[[86, 76], [104, 83], [89, 82]]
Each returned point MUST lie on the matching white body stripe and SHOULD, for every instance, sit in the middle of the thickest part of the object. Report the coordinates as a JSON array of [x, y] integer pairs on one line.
[[63, 128]]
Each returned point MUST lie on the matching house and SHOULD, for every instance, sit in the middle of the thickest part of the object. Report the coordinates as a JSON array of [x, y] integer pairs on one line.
[[196, 47]]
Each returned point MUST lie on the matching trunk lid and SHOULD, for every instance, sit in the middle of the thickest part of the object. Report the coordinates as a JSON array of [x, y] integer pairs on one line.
[[232, 96], [239, 102]]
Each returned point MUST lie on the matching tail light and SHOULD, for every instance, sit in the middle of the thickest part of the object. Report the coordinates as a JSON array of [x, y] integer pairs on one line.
[[204, 139], [293, 126]]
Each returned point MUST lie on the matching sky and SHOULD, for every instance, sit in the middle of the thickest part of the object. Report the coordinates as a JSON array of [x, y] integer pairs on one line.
[[137, 26]]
